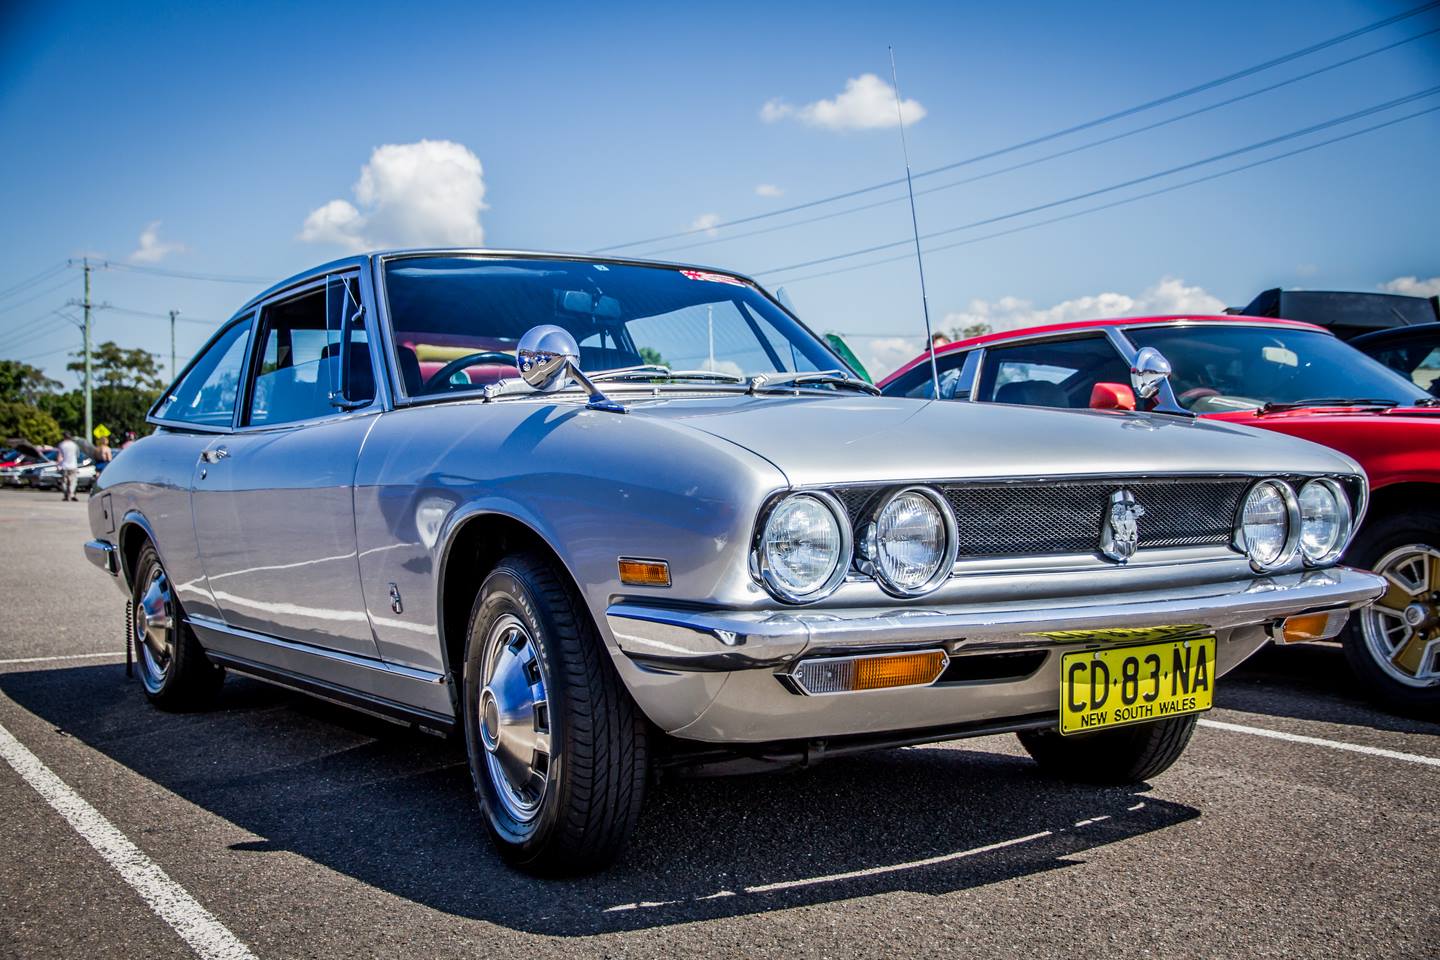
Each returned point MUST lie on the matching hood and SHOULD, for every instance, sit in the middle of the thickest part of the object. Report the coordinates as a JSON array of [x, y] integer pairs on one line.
[[853, 439]]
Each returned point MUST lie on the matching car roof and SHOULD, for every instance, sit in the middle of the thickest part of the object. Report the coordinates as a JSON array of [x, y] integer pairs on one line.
[[361, 260], [1418, 331], [1052, 329]]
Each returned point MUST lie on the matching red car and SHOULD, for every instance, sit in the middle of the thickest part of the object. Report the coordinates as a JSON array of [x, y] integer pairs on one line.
[[1279, 375]]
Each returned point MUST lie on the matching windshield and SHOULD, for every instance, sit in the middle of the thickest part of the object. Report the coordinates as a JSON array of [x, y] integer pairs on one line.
[[1219, 368], [457, 320]]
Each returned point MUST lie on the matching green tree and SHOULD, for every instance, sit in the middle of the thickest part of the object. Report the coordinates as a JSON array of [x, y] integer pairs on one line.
[[22, 383], [973, 330], [67, 408], [115, 366], [652, 356], [19, 419]]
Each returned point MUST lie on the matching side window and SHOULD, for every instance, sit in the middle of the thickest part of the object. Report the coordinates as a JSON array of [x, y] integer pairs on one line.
[[206, 395], [1051, 373], [296, 362], [957, 377]]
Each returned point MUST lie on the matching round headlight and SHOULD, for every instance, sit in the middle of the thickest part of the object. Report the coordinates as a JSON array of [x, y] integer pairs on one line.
[[805, 547], [910, 544], [1324, 520], [1265, 523]]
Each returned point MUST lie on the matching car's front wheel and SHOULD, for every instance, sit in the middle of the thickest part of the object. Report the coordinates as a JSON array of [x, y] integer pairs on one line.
[[557, 748], [1393, 645], [173, 668], [1121, 756]]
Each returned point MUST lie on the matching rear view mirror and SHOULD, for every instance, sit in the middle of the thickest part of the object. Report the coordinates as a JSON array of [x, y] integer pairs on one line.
[[1112, 396], [584, 302]]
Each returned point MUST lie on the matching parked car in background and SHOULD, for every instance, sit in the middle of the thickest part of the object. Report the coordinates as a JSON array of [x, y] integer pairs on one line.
[[1278, 375], [642, 519], [48, 477], [21, 472], [1344, 313], [1412, 352]]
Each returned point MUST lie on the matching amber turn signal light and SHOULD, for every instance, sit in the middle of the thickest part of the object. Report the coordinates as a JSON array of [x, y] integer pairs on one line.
[[644, 573], [1313, 626], [877, 672]]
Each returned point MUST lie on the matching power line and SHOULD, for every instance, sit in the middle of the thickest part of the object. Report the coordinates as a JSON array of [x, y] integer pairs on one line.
[[20, 337], [45, 274], [1049, 156], [33, 297], [185, 275], [1117, 115], [1118, 203], [1431, 91], [163, 316]]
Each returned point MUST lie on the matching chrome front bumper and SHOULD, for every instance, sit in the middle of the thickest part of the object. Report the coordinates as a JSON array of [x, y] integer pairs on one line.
[[712, 675], [104, 555]]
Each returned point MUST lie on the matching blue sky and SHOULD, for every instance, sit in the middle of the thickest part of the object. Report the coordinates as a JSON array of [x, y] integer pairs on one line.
[[597, 124]]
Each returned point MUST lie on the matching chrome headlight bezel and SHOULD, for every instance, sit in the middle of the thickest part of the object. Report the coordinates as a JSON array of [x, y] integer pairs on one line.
[[1291, 545], [764, 569], [1344, 522], [866, 559]]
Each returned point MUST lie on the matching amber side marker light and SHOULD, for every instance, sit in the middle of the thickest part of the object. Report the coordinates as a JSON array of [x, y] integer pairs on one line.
[[644, 573], [876, 672], [1313, 626]]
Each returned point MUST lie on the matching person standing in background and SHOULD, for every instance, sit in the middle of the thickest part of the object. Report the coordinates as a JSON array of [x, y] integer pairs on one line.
[[103, 453], [69, 463]]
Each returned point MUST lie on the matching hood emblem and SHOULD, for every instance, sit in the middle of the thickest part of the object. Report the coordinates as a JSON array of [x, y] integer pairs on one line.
[[1120, 532]]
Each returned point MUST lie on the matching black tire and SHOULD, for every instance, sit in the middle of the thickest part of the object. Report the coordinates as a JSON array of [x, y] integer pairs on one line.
[[180, 677], [579, 819], [1376, 541], [1113, 757]]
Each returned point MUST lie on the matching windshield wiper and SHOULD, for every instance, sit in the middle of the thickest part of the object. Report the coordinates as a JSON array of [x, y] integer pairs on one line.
[[832, 378], [1328, 402], [655, 371]]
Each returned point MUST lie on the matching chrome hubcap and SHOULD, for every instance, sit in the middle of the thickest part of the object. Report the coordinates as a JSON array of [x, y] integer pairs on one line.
[[154, 627], [514, 718], [1402, 628]]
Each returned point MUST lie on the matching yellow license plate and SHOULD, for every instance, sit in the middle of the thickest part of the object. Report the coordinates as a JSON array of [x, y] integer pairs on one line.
[[1110, 688]]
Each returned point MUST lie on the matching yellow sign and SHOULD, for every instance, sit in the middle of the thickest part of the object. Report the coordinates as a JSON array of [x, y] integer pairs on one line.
[[1123, 685], [101, 431]]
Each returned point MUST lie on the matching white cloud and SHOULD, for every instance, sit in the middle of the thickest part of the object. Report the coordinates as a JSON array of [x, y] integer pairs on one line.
[[1413, 286], [881, 355], [768, 190], [409, 194], [866, 103], [706, 222], [151, 248], [1170, 296]]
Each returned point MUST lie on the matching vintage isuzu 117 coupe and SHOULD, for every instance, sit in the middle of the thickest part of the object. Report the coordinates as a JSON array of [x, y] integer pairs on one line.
[[609, 517]]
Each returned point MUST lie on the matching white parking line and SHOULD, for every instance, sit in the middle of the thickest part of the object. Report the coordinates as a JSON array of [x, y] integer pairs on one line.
[[207, 936], [1321, 742], [68, 656]]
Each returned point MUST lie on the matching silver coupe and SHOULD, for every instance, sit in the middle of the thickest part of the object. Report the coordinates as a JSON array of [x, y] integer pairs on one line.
[[608, 518]]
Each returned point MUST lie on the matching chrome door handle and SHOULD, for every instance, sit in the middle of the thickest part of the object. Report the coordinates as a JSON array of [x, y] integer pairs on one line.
[[214, 455]]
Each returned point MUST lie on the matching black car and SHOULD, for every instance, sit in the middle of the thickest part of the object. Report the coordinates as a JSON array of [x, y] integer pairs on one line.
[[1345, 314], [1412, 351]]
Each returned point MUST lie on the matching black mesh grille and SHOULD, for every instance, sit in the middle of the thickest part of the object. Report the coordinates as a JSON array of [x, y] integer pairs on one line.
[[1064, 516]]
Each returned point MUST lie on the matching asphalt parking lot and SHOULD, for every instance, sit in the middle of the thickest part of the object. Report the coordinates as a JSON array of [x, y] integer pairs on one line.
[[286, 827]]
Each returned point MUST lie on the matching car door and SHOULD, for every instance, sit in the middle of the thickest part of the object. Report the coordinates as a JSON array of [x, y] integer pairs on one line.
[[273, 500]]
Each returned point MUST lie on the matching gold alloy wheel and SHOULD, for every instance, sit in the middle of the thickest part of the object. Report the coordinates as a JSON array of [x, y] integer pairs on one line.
[[1402, 628]]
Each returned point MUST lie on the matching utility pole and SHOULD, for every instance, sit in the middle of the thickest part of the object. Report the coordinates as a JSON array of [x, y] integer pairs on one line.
[[173, 370], [89, 409]]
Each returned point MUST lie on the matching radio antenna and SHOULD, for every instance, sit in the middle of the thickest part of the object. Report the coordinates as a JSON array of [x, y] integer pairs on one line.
[[915, 227]]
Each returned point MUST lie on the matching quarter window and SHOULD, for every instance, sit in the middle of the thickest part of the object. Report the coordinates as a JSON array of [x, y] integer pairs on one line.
[[205, 396], [957, 377]]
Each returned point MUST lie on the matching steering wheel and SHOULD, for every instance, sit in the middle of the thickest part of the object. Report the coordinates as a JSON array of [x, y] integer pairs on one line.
[[1196, 393], [443, 375]]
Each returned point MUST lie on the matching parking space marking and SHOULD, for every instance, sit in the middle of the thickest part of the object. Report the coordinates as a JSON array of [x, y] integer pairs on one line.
[[1321, 742], [68, 656], [206, 935]]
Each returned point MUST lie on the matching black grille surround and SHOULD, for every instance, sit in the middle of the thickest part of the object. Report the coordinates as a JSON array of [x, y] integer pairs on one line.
[[1039, 517]]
